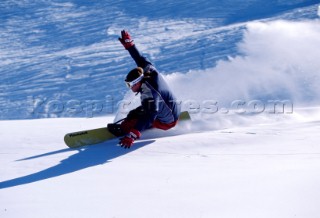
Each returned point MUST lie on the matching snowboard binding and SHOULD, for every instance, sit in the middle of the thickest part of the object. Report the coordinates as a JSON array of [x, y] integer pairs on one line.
[[115, 129]]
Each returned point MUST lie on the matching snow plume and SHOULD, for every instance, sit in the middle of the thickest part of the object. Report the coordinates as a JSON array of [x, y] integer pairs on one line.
[[278, 70], [279, 63]]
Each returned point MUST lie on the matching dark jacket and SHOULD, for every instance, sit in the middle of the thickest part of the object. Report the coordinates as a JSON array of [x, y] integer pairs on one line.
[[157, 100]]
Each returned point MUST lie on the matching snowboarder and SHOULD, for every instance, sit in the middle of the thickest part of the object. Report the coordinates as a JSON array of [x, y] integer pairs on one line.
[[159, 107]]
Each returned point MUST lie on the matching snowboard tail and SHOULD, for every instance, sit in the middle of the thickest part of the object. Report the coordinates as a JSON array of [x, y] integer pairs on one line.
[[88, 137], [95, 136]]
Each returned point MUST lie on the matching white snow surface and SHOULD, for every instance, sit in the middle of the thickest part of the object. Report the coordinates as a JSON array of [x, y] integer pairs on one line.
[[247, 71], [254, 169]]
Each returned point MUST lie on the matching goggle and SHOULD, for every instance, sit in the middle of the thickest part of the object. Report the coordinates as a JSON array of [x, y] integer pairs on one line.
[[134, 82]]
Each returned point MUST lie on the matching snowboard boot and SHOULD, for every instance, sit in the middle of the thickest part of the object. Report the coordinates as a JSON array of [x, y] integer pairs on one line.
[[115, 129], [122, 129]]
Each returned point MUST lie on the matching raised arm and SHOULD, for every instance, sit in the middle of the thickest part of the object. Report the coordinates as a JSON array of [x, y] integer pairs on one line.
[[128, 44]]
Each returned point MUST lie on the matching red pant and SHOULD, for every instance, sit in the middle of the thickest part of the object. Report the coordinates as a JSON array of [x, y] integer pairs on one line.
[[127, 125], [164, 126]]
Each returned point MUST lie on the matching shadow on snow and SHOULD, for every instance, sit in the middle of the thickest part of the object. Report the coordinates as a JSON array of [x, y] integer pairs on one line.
[[86, 157]]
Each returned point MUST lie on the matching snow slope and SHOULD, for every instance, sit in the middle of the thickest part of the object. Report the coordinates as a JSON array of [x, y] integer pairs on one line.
[[261, 170], [247, 71], [55, 54]]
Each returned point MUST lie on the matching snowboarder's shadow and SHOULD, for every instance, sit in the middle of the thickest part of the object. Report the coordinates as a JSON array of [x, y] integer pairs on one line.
[[85, 158]]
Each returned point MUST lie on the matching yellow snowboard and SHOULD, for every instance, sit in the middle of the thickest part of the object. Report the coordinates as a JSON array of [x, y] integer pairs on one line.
[[95, 136]]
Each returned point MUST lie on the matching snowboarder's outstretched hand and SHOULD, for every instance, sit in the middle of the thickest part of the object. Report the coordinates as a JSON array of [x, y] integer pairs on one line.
[[125, 39], [128, 140]]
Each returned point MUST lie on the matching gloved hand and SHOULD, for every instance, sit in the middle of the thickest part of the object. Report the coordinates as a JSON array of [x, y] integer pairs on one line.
[[128, 140], [125, 39]]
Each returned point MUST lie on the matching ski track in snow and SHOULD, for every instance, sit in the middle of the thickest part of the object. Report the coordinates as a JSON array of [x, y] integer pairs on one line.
[[70, 52]]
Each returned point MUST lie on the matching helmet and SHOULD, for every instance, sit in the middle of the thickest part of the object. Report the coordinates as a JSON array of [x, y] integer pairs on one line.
[[134, 77], [134, 74]]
